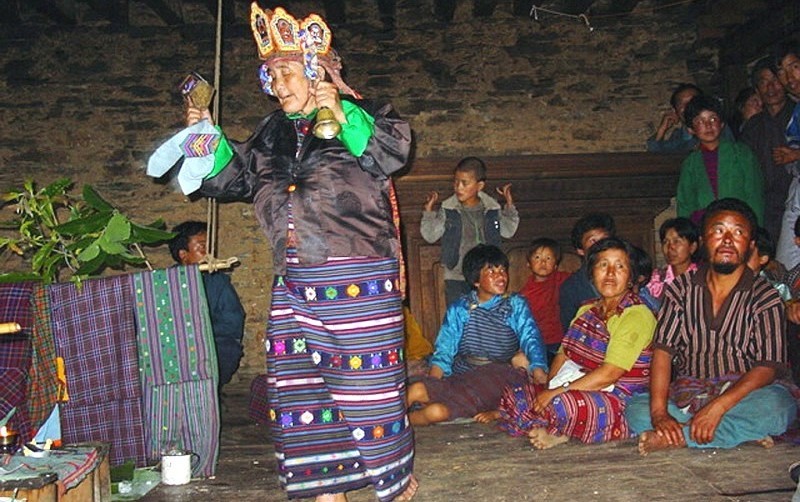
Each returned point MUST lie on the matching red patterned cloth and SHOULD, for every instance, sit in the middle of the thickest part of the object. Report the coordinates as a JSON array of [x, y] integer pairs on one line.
[[15, 356], [258, 409], [589, 416], [43, 381]]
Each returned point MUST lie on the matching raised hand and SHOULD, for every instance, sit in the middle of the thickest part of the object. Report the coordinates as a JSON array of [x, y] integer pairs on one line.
[[431, 200], [505, 192]]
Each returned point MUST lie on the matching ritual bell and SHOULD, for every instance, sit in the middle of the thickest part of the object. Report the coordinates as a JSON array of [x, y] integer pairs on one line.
[[326, 126]]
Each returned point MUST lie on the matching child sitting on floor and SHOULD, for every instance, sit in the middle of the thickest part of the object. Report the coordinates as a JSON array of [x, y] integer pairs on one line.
[[542, 290], [481, 334]]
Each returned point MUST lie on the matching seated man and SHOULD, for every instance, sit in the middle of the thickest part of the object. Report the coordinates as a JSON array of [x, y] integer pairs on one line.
[[481, 333], [188, 247], [725, 327]]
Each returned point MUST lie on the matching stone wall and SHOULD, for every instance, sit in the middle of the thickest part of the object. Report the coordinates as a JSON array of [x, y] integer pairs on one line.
[[92, 102]]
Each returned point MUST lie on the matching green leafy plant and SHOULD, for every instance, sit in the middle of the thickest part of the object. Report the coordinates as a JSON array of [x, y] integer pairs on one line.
[[64, 237]]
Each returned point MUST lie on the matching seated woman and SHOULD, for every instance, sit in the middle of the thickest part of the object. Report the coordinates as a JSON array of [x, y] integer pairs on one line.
[[604, 359], [481, 334], [680, 239]]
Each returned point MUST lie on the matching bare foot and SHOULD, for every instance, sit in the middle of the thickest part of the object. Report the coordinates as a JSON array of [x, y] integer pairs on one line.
[[766, 442], [411, 489], [487, 416], [541, 440], [650, 441], [331, 497]]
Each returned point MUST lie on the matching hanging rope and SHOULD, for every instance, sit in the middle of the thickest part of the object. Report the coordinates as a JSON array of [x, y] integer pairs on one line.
[[213, 264]]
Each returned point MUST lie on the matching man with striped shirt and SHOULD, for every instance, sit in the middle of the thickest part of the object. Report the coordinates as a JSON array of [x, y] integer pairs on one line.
[[725, 329]]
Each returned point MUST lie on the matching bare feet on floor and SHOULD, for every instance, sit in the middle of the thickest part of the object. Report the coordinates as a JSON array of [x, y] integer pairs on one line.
[[410, 491], [541, 440], [766, 442], [487, 416], [650, 441]]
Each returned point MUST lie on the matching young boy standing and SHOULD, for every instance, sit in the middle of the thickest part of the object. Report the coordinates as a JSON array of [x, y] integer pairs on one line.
[[468, 218], [719, 169], [542, 290], [480, 346]]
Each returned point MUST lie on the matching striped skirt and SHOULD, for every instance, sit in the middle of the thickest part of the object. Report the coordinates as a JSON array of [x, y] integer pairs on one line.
[[589, 416], [336, 379]]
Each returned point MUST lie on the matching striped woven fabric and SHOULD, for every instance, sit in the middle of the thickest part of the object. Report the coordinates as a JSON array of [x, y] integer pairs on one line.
[[178, 365], [15, 356], [95, 333], [336, 373], [42, 383], [589, 416]]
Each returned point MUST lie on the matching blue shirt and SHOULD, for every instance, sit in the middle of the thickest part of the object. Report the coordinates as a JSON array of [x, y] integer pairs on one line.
[[519, 319]]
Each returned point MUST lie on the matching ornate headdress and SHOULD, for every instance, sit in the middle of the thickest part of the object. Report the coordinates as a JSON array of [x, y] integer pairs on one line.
[[279, 35]]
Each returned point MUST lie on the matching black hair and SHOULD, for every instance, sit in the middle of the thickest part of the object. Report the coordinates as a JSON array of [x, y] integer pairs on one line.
[[590, 222], [641, 266], [783, 49], [184, 231], [765, 63], [545, 242], [684, 227], [734, 205], [472, 165], [797, 227], [765, 244], [742, 97], [698, 105], [673, 100], [606, 244], [480, 256]]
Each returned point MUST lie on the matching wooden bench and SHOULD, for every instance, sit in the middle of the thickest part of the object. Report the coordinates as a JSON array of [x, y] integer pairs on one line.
[[551, 192]]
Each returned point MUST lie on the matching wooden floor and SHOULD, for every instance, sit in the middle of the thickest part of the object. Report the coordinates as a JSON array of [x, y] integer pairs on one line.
[[472, 462]]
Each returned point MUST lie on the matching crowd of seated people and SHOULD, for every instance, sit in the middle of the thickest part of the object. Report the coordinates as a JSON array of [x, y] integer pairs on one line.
[[687, 354]]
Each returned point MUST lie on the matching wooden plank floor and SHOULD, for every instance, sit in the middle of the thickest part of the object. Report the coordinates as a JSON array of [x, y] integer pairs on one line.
[[472, 462]]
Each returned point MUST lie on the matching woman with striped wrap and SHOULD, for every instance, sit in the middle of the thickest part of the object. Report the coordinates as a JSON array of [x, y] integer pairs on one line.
[[335, 361], [604, 359]]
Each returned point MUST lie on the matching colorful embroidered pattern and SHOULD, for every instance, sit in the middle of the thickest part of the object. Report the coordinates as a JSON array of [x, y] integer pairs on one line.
[[344, 291], [200, 145]]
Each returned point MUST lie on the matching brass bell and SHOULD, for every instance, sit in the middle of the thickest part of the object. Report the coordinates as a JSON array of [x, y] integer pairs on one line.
[[326, 126]]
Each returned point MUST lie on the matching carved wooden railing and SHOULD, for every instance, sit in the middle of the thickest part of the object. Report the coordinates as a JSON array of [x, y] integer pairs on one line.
[[551, 192]]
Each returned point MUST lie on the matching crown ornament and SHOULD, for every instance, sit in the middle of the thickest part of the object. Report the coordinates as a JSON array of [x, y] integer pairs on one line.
[[277, 33], [280, 35]]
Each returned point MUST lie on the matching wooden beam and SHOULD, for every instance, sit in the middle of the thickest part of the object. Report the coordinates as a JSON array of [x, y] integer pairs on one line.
[[573, 7], [60, 11], [751, 40], [171, 11], [613, 6], [9, 11], [115, 11]]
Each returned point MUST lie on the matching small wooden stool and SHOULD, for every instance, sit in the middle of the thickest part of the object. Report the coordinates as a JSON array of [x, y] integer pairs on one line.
[[95, 487]]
